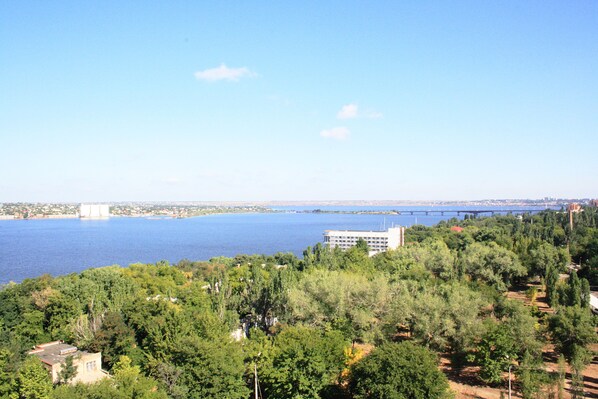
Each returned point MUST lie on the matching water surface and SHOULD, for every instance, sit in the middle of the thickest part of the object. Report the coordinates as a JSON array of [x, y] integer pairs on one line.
[[29, 248]]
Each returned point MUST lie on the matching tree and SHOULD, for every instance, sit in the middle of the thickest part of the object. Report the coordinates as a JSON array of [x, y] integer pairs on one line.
[[7, 372], [545, 256], [114, 338], [440, 260], [398, 371], [495, 352], [574, 294], [169, 375], [521, 326], [531, 376], [210, 369], [491, 263], [59, 312], [130, 383], [572, 330], [551, 282], [442, 317], [303, 363], [68, 371], [562, 373], [357, 258], [341, 300], [33, 381], [362, 245]]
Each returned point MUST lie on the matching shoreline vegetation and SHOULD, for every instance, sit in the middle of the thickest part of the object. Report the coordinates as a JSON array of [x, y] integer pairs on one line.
[[447, 315], [22, 210]]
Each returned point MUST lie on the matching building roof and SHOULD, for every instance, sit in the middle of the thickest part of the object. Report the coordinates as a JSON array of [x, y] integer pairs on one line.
[[55, 352], [389, 230]]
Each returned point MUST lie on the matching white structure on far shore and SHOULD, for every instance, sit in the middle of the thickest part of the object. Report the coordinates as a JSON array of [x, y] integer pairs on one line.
[[95, 211], [378, 241]]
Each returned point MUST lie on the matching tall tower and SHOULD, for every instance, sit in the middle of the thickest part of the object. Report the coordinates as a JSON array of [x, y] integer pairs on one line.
[[573, 208]]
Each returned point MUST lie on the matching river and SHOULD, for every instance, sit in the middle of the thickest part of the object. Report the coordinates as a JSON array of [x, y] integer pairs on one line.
[[29, 248]]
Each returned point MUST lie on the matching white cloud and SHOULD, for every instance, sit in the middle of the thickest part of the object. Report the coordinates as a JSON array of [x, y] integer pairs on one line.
[[224, 73], [349, 111], [371, 114], [337, 133]]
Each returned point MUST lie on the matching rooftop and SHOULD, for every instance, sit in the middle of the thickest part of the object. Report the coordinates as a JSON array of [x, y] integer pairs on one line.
[[55, 352]]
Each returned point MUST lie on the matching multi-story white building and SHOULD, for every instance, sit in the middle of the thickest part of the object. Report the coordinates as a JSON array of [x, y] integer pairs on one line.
[[94, 211], [378, 241]]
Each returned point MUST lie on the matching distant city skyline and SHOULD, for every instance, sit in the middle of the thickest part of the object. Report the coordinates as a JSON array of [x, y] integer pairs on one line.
[[254, 101]]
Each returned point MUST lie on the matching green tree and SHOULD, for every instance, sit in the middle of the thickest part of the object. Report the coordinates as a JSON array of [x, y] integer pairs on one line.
[[443, 317], [562, 374], [572, 331], [531, 376], [130, 383], [492, 264], [68, 371], [357, 258], [340, 300], [495, 352], [551, 282], [522, 327], [441, 260], [7, 372], [32, 381], [113, 339], [398, 371], [210, 369], [545, 256], [574, 294], [59, 313], [169, 376], [303, 363], [362, 245]]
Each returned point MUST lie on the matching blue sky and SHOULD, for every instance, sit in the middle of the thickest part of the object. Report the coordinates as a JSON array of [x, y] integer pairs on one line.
[[118, 101]]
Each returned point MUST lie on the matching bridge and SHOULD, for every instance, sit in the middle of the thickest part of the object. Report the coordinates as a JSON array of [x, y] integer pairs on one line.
[[474, 212]]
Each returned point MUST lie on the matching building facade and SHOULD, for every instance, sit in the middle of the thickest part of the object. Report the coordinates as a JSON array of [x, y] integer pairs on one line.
[[94, 211], [378, 241], [53, 356]]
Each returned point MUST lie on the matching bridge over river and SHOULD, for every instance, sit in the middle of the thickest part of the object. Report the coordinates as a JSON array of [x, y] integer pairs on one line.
[[474, 212]]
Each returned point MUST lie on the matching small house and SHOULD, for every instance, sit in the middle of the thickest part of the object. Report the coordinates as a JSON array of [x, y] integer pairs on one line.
[[53, 356]]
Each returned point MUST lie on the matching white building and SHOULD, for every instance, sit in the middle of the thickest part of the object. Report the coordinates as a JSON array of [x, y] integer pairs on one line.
[[96, 211], [378, 241]]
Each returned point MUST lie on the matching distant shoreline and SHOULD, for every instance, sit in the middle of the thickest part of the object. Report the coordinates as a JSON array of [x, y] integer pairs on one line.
[[332, 202], [253, 209]]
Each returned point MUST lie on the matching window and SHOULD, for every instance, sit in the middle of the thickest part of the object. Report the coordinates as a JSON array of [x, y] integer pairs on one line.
[[91, 366]]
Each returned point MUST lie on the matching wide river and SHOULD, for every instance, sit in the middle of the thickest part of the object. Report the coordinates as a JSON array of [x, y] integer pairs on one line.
[[29, 248]]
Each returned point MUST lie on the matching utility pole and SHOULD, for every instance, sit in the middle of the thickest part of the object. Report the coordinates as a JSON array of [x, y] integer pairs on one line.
[[510, 381], [255, 379]]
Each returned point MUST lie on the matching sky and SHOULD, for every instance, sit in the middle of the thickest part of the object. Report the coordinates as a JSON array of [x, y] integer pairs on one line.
[[311, 100]]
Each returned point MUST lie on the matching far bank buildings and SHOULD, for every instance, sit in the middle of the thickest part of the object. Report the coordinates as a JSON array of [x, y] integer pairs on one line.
[[378, 241]]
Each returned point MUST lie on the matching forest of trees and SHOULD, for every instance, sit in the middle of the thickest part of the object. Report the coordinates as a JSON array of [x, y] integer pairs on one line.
[[333, 324]]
